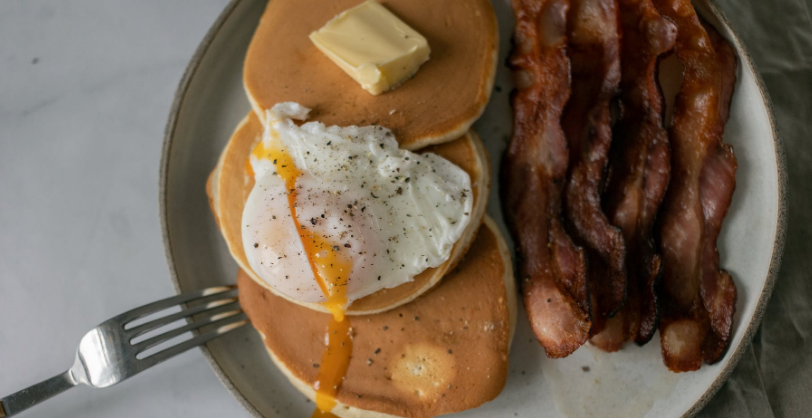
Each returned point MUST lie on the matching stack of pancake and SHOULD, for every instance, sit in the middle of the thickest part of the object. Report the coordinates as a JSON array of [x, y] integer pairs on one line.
[[435, 345]]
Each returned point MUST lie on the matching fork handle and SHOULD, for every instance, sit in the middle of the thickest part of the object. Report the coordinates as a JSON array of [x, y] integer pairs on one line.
[[17, 402]]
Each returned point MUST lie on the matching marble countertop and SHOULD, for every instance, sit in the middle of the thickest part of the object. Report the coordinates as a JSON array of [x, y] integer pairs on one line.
[[85, 90]]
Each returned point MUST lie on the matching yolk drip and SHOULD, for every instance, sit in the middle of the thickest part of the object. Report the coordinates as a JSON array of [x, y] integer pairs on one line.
[[334, 363], [331, 269], [318, 413]]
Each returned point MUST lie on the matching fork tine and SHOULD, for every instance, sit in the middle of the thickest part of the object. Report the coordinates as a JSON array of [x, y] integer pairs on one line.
[[233, 322], [157, 323], [207, 294], [213, 316]]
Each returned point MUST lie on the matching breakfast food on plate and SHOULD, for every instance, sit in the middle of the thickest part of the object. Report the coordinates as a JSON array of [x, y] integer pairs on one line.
[[372, 46], [233, 179], [438, 104], [552, 270], [230, 186], [353, 196], [639, 167], [444, 352], [594, 51], [696, 298]]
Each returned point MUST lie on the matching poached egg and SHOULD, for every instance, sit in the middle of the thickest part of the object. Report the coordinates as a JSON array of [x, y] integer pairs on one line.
[[339, 213]]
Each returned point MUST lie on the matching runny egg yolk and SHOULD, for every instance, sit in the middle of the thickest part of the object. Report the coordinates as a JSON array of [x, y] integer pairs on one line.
[[331, 268], [334, 363]]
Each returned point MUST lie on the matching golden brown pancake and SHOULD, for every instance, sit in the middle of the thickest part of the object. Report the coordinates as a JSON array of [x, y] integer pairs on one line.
[[446, 95], [444, 352], [229, 186]]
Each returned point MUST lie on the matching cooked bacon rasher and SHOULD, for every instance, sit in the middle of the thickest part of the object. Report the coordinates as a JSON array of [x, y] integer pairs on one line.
[[552, 269], [698, 299], [639, 169], [594, 49]]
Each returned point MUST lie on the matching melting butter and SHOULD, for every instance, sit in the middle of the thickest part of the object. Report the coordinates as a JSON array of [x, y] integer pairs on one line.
[[373, 46]]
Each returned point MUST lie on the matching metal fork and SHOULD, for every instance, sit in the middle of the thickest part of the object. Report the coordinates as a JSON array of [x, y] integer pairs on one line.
[[107, 354]]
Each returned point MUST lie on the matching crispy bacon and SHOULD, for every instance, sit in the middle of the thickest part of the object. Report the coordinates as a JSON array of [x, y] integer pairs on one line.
[[698, 299], [594, 51], [552, 269], [718, 181], [639, 169]]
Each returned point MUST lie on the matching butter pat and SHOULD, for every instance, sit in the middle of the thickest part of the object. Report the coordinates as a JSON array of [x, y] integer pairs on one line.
[[372, 46]]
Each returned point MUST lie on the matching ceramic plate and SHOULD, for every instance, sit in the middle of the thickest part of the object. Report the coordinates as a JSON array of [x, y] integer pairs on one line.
[[633, 383]]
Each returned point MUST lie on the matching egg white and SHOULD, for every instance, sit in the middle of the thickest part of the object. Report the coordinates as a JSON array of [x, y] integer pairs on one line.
[[396, 213]]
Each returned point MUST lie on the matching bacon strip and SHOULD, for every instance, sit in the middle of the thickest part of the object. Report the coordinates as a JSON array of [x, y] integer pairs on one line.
[[718, 181], [552, 269], [594, 52], [698, 298], [639, 169]]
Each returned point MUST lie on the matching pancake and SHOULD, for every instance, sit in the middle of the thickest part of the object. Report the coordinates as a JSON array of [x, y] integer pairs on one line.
[[229, 186], [439, 104], [444, 352]]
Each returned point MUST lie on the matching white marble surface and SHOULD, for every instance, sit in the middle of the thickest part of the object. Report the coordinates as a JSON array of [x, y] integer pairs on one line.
[[85, 89]]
